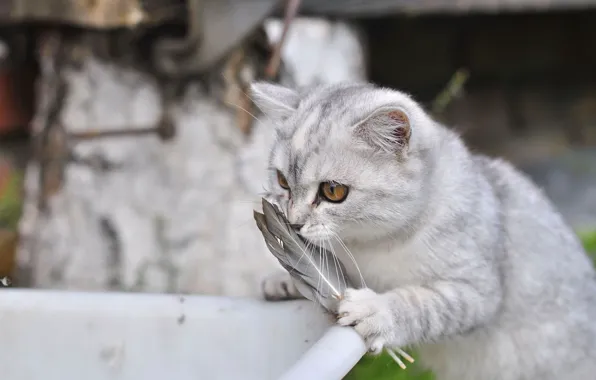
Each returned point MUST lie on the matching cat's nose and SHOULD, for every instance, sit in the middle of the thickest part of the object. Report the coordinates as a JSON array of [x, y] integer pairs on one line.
[[297, 226]]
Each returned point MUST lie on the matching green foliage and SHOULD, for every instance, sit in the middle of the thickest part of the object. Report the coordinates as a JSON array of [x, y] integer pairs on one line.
[[589, 240], [11, 201], [383, 367]]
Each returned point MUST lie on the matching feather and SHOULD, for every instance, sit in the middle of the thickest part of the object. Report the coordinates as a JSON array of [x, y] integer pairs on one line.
[[318, 274]]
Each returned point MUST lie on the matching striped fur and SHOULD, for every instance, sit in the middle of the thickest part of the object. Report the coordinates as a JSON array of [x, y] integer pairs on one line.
[[460, 254]]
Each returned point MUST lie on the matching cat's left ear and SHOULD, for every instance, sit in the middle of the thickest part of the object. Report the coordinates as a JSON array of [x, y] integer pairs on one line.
[[387, 129], [276, 102]]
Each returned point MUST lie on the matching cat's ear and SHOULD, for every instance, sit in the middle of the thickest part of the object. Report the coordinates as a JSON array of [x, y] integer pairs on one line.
[[277, 102], [386, 129]]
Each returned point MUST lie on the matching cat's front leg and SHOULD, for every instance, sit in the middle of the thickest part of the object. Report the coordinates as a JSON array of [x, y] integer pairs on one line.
[[417, 314]]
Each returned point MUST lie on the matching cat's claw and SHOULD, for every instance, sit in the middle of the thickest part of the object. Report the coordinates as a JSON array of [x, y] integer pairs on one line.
[[370, 315], [376, 345]]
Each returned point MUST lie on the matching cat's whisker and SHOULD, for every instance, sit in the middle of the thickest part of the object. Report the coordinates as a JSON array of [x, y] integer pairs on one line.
[[308, 248], [325, 263], [304, 253], [228, 79], [341, 276], [338, 270], [243, 109], [249, 98], [301, 256], [321, 275], [323, 269], [350, 255]]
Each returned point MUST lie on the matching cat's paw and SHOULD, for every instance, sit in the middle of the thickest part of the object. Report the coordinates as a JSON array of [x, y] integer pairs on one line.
[[370, 315], [279, 286]]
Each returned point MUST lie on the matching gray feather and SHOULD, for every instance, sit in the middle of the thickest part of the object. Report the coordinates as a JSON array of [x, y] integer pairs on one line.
[[318, 270]]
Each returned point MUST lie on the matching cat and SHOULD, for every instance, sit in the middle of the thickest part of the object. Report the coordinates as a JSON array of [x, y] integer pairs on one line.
[[457, 254]]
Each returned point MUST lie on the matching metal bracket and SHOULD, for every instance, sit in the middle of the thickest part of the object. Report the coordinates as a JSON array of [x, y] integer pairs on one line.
[[180, 56], [215, 27]]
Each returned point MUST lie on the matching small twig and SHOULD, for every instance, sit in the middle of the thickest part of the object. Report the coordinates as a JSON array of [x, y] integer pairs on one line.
[[452, 90], [405, 355], [393, 353], [396, 359], [290, 13]]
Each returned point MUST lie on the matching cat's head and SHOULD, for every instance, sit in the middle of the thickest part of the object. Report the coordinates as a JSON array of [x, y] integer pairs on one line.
[[348, 159]]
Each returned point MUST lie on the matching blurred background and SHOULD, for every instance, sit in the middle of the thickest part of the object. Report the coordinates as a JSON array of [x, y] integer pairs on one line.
[[131, 156]]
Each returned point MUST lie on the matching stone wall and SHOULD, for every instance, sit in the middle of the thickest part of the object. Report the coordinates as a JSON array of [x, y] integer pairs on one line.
[[136, 213]]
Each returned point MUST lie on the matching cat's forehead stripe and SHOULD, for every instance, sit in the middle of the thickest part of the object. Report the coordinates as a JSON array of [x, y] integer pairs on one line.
[[292, 167], [303, 160], [301, 136]]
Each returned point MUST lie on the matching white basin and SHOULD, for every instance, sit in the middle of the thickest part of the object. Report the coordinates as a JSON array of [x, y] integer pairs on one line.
[[59, 335]]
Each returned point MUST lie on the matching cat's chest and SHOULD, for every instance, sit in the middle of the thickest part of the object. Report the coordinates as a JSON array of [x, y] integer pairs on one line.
[[384, 266]]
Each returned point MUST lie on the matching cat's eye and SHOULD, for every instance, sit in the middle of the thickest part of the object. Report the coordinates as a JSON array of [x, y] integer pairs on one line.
[[334, 192], [283, 182]]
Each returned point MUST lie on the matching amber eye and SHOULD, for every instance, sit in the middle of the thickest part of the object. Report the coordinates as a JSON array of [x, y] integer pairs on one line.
[[282, 181], [334, 192]]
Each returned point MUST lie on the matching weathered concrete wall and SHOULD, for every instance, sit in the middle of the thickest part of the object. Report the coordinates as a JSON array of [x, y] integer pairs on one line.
[[171, 216]]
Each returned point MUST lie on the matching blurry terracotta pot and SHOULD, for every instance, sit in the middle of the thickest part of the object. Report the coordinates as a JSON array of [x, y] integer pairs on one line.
[[8, 244], [16, 98]]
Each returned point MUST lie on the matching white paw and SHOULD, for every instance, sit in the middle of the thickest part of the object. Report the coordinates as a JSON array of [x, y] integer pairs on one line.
[[370, 315], [280, 286]]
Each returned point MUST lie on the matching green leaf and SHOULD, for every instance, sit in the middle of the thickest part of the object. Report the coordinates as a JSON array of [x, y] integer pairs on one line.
[[383, 367]]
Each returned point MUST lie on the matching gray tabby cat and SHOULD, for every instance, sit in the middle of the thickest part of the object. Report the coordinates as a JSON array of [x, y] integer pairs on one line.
[[461, 255]]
